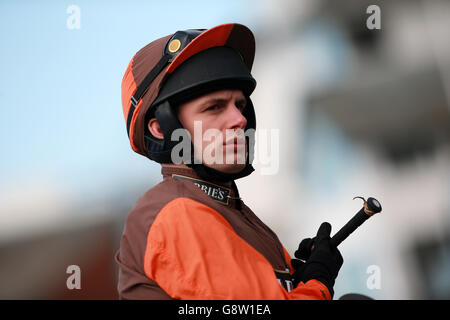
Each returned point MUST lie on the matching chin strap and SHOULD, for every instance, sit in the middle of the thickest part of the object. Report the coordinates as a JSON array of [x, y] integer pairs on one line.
[[207, 173]]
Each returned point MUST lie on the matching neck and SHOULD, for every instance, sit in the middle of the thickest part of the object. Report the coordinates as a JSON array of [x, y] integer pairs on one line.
[[199, 173]]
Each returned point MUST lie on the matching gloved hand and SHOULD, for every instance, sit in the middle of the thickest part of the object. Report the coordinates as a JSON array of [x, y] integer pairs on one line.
[[302, 254], [322, 262]]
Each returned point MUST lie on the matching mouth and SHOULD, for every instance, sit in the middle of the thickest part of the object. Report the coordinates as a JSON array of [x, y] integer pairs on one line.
[[235, 141]]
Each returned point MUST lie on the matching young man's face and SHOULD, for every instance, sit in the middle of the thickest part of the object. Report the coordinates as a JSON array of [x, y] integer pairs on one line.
[[221, 145]]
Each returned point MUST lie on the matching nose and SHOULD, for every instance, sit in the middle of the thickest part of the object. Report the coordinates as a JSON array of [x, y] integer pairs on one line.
[[236, 118]]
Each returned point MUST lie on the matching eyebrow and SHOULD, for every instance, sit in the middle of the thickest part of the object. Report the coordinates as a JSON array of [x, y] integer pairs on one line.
[[222, 100]]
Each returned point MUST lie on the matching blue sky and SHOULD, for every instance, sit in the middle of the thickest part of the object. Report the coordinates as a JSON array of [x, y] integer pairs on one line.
[[61, 113]]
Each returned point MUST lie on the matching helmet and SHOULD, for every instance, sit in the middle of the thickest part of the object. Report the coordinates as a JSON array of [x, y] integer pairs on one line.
[[180, 67]]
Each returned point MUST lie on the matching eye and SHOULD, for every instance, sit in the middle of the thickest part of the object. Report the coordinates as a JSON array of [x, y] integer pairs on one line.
[[213, 107], [241, 105]]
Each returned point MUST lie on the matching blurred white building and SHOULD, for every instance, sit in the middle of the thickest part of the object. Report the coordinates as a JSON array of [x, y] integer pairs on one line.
[[360, 113]]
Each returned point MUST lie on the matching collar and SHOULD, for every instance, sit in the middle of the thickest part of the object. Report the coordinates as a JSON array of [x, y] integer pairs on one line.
[[225, 193]]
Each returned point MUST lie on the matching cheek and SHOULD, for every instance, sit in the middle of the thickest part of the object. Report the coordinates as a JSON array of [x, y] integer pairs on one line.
[[197, 127], [186, 122]]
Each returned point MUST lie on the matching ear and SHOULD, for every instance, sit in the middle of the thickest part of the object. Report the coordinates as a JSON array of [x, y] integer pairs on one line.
[[155, 129]]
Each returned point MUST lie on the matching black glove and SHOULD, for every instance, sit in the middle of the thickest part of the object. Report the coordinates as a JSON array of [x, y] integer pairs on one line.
[[303, 252], [322, 262]]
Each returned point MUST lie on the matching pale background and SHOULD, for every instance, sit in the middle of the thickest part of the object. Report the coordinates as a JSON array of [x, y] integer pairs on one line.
[[359, 112]]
